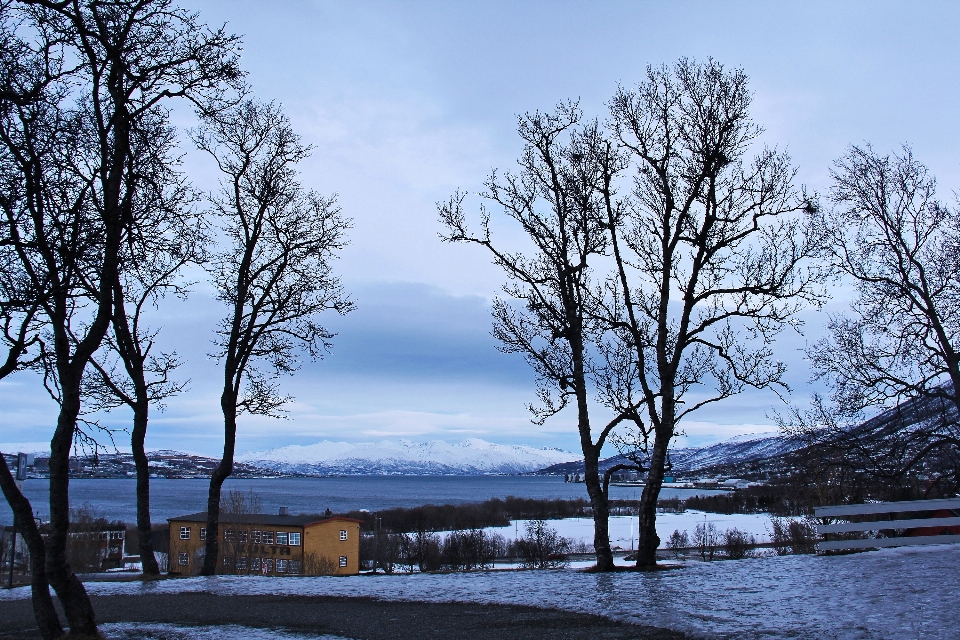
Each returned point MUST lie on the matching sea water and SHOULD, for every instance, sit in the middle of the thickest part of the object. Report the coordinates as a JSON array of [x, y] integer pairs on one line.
[[115, 499]]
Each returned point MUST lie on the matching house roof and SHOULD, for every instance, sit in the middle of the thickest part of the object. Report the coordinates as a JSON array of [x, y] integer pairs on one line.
[[264, 518]]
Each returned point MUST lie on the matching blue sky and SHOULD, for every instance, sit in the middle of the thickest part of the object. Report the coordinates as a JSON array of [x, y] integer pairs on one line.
[[406, 102]]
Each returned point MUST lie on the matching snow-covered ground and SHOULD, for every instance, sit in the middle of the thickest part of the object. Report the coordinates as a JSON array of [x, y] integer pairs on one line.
[[908, 593], [623, 529]]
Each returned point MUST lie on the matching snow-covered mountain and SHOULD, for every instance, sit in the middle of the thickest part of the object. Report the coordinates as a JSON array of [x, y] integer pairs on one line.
[[743, 448], [739, 449], [404, 457]]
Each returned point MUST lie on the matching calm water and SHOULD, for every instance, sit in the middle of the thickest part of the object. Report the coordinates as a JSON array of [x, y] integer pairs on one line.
[[116, 498]]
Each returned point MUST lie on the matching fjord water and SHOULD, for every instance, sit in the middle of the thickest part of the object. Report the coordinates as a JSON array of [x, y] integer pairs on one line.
[[115, 499]]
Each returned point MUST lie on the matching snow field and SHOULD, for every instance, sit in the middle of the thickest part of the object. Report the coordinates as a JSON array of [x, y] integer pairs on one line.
[[623, 529], [893, 594]]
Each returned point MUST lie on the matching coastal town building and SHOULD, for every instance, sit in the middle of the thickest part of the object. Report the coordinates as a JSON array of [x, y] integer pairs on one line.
[[272, 545]]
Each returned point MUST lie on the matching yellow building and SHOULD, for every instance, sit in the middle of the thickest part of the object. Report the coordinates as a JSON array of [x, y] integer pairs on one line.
[[274, 545]]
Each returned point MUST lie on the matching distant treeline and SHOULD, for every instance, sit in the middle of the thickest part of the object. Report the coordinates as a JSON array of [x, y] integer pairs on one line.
[[773, 499], [777, 500], [477, 515]]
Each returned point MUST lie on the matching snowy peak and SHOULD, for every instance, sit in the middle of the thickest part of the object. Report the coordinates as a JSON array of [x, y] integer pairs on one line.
[[405, 457], [736, 450]]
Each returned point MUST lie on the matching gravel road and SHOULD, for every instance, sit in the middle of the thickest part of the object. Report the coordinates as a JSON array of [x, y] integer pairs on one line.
[[360, 618]]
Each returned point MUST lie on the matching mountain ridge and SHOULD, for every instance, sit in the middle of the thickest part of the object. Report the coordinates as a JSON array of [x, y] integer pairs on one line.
[[406, 457]]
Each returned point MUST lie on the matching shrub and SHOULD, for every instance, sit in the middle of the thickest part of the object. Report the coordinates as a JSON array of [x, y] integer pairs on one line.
[[316, 565], [736, 543], [705, 540], [793, 536], [677, 542], [542, 547]]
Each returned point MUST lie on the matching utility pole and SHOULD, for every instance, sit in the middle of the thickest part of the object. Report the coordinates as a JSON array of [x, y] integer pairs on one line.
[[376, 541]]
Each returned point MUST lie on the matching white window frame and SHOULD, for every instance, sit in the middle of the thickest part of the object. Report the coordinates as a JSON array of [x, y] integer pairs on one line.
[[184, 533], [293, 567], [268, 537], [343, 534], [343, 561], [285, 535], [294, 538], [184, 559], [281, 566], [203, 533]]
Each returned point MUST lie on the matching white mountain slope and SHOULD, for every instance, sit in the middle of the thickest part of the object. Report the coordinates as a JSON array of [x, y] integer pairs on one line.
[[753, 446], [404, 457]]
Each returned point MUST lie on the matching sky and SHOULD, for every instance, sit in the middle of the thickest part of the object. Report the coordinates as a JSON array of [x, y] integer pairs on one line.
[[404, 103]]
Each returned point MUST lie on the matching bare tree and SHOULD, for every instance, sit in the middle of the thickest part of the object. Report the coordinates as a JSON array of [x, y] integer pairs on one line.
[[49, 229], [166, 235], [897, 354], [72, 143], [553, 198], [275, 274], [710, 251]]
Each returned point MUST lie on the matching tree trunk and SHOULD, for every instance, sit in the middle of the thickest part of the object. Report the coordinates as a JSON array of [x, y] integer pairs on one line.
[[228, 403], [148, 560], [48, 622], [649, 541], [601, 512], [591, 467], [70, 591]]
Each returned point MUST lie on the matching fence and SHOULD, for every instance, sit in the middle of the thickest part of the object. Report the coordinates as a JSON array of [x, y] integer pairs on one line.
[[939, 529]]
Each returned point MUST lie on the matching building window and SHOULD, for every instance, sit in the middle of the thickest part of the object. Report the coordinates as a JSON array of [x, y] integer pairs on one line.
[[184, 559], [281, 566], [241, 563], [343, 561], [254, 564], [228, 535], [255, 536], [242, 535], [227, 562], [343, 534], [203, 533], [293, 567], [267, 566], [184, 533], [268, 537], [294, 539], [282, 537]]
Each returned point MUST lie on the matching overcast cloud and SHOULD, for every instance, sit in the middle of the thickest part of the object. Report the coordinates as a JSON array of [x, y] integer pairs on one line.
[[406, 102]]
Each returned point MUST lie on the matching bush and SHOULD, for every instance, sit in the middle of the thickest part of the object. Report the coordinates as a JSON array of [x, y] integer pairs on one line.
[[736, 543], [793, 536], [317, 565], [677, 542], [705, 540], [542, 547]]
